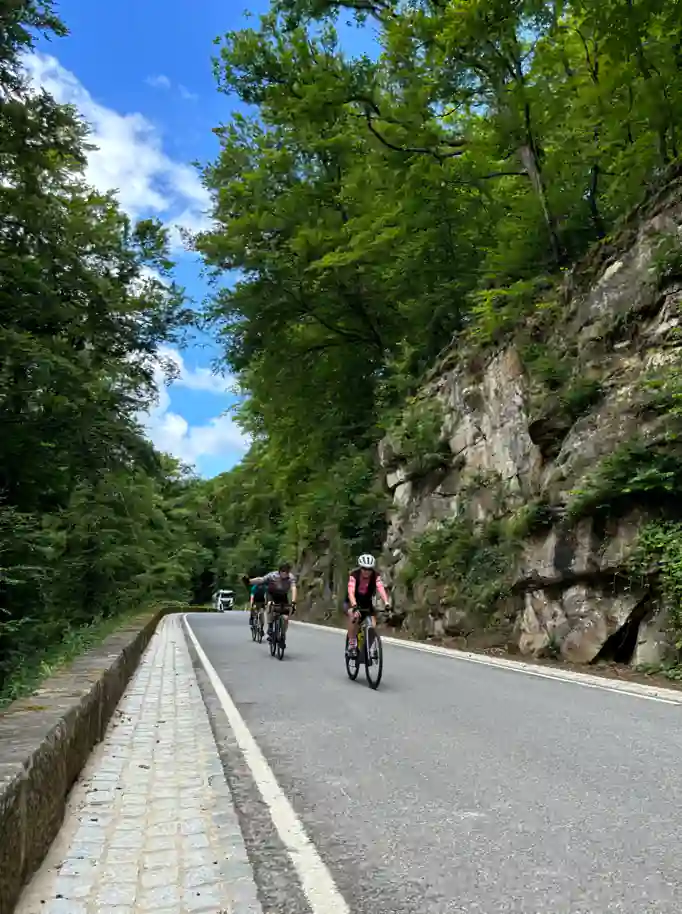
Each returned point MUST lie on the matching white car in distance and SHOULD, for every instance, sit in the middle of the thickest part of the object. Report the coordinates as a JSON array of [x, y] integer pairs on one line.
[[223, 600]]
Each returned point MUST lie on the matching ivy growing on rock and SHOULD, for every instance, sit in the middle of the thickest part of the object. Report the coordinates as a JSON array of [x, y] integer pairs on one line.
[[418, 437], [472, 565], [657, 558]]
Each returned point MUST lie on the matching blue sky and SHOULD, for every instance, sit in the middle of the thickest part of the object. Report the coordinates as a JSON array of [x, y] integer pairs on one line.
[[141, 74]]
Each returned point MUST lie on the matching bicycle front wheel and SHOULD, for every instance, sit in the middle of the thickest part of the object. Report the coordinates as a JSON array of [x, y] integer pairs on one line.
[[274, 637], [253, 629], [374, 659]]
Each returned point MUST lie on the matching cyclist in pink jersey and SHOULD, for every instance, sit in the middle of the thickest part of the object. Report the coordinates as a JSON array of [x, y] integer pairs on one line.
[[364, 582]]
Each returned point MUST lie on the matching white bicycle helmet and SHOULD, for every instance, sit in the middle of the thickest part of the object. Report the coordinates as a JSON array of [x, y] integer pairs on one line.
[[367, 561]]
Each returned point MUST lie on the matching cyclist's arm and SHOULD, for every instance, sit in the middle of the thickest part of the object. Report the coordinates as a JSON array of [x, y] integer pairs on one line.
[[351, 591], [381, 590], [293, 592]]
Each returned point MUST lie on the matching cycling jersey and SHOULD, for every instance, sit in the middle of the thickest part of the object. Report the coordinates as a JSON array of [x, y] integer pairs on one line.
[[361, 590], [277, 584], [259, 592]]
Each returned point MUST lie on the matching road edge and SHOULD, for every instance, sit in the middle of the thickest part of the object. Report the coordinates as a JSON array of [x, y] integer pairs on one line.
[[587, 680], [317, 882]]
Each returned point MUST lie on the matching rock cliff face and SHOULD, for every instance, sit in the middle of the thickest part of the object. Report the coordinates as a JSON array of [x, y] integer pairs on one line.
[[323, 577], [528, 438]]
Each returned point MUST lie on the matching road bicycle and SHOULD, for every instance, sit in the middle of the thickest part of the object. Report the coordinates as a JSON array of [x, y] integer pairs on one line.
[[256, 623], [277, 643], [370, 654]]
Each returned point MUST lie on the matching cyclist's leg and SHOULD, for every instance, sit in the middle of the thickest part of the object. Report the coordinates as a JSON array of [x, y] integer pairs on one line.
[[281, 607], [353, 626], [285, 609], [271, 609], [373, 622]]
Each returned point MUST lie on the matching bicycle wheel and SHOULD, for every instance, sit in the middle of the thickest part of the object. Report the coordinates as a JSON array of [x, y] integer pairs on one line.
[[274, 637], [259, 629], [352, 664], [253, 628], [280, 641], [374, 659]]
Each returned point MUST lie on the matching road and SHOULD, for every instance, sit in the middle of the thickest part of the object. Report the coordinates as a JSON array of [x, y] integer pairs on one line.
[[457, 787]]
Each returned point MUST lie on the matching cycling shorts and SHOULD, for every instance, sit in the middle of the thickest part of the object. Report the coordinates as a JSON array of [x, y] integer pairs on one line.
[[280, 602], [362, 607], [259, 600]]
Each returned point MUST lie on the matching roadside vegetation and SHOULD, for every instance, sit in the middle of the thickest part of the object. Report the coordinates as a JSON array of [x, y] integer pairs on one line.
[[381, 210], [94, 525], [417, 202]]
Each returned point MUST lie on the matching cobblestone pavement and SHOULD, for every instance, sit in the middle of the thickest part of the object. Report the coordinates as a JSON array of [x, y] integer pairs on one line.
[[150, 827]]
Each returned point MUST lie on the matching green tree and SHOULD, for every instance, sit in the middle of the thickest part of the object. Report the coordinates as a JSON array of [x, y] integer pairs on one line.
[[382, 211], [93, 522]]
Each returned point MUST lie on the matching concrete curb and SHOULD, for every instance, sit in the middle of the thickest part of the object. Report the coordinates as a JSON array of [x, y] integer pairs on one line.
[[46, 739]]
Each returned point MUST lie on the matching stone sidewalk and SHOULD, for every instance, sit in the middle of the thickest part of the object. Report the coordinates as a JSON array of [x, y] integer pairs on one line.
[[150, 826]]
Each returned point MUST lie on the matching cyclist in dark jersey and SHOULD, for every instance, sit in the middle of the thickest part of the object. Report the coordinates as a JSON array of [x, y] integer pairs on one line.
[[281, 588], [364, 582]]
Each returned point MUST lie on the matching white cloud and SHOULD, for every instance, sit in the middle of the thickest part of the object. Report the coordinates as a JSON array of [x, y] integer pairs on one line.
[[163, 82], [129, 157], [195, 378], [158, 82], [172, 433]]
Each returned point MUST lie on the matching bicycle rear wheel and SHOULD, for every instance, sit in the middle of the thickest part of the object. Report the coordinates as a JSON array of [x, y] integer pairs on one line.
[[352, 664], [374, 658], [259, 629]]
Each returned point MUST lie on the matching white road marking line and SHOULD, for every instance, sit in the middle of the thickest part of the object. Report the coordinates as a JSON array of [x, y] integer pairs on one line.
[[317, 882], [633, 689]]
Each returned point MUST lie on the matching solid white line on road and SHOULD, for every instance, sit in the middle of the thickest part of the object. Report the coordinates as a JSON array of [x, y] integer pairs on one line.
[[633, 689], [316, 880]]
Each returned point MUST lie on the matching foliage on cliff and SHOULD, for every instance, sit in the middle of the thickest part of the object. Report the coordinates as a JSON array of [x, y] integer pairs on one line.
[[381, 206]]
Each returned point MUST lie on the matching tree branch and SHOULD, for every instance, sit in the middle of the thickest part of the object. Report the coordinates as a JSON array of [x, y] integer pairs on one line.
[[416, 150], [377, 10]]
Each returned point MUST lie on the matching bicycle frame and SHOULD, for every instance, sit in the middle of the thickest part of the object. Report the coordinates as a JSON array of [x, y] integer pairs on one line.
[[277, 642], [365, 654], [363, 639], [257, 622]]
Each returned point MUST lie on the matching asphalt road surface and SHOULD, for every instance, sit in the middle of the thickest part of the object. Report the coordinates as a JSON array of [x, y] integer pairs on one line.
[[456, 787]]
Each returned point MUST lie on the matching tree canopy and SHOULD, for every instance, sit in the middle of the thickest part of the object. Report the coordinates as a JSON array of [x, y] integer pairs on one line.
[[382, 209]]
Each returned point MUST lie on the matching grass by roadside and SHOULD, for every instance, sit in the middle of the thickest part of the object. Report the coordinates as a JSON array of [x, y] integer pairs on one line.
[[32, 671]]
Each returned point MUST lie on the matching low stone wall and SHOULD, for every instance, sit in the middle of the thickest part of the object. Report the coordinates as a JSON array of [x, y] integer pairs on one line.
[[46, 739]]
